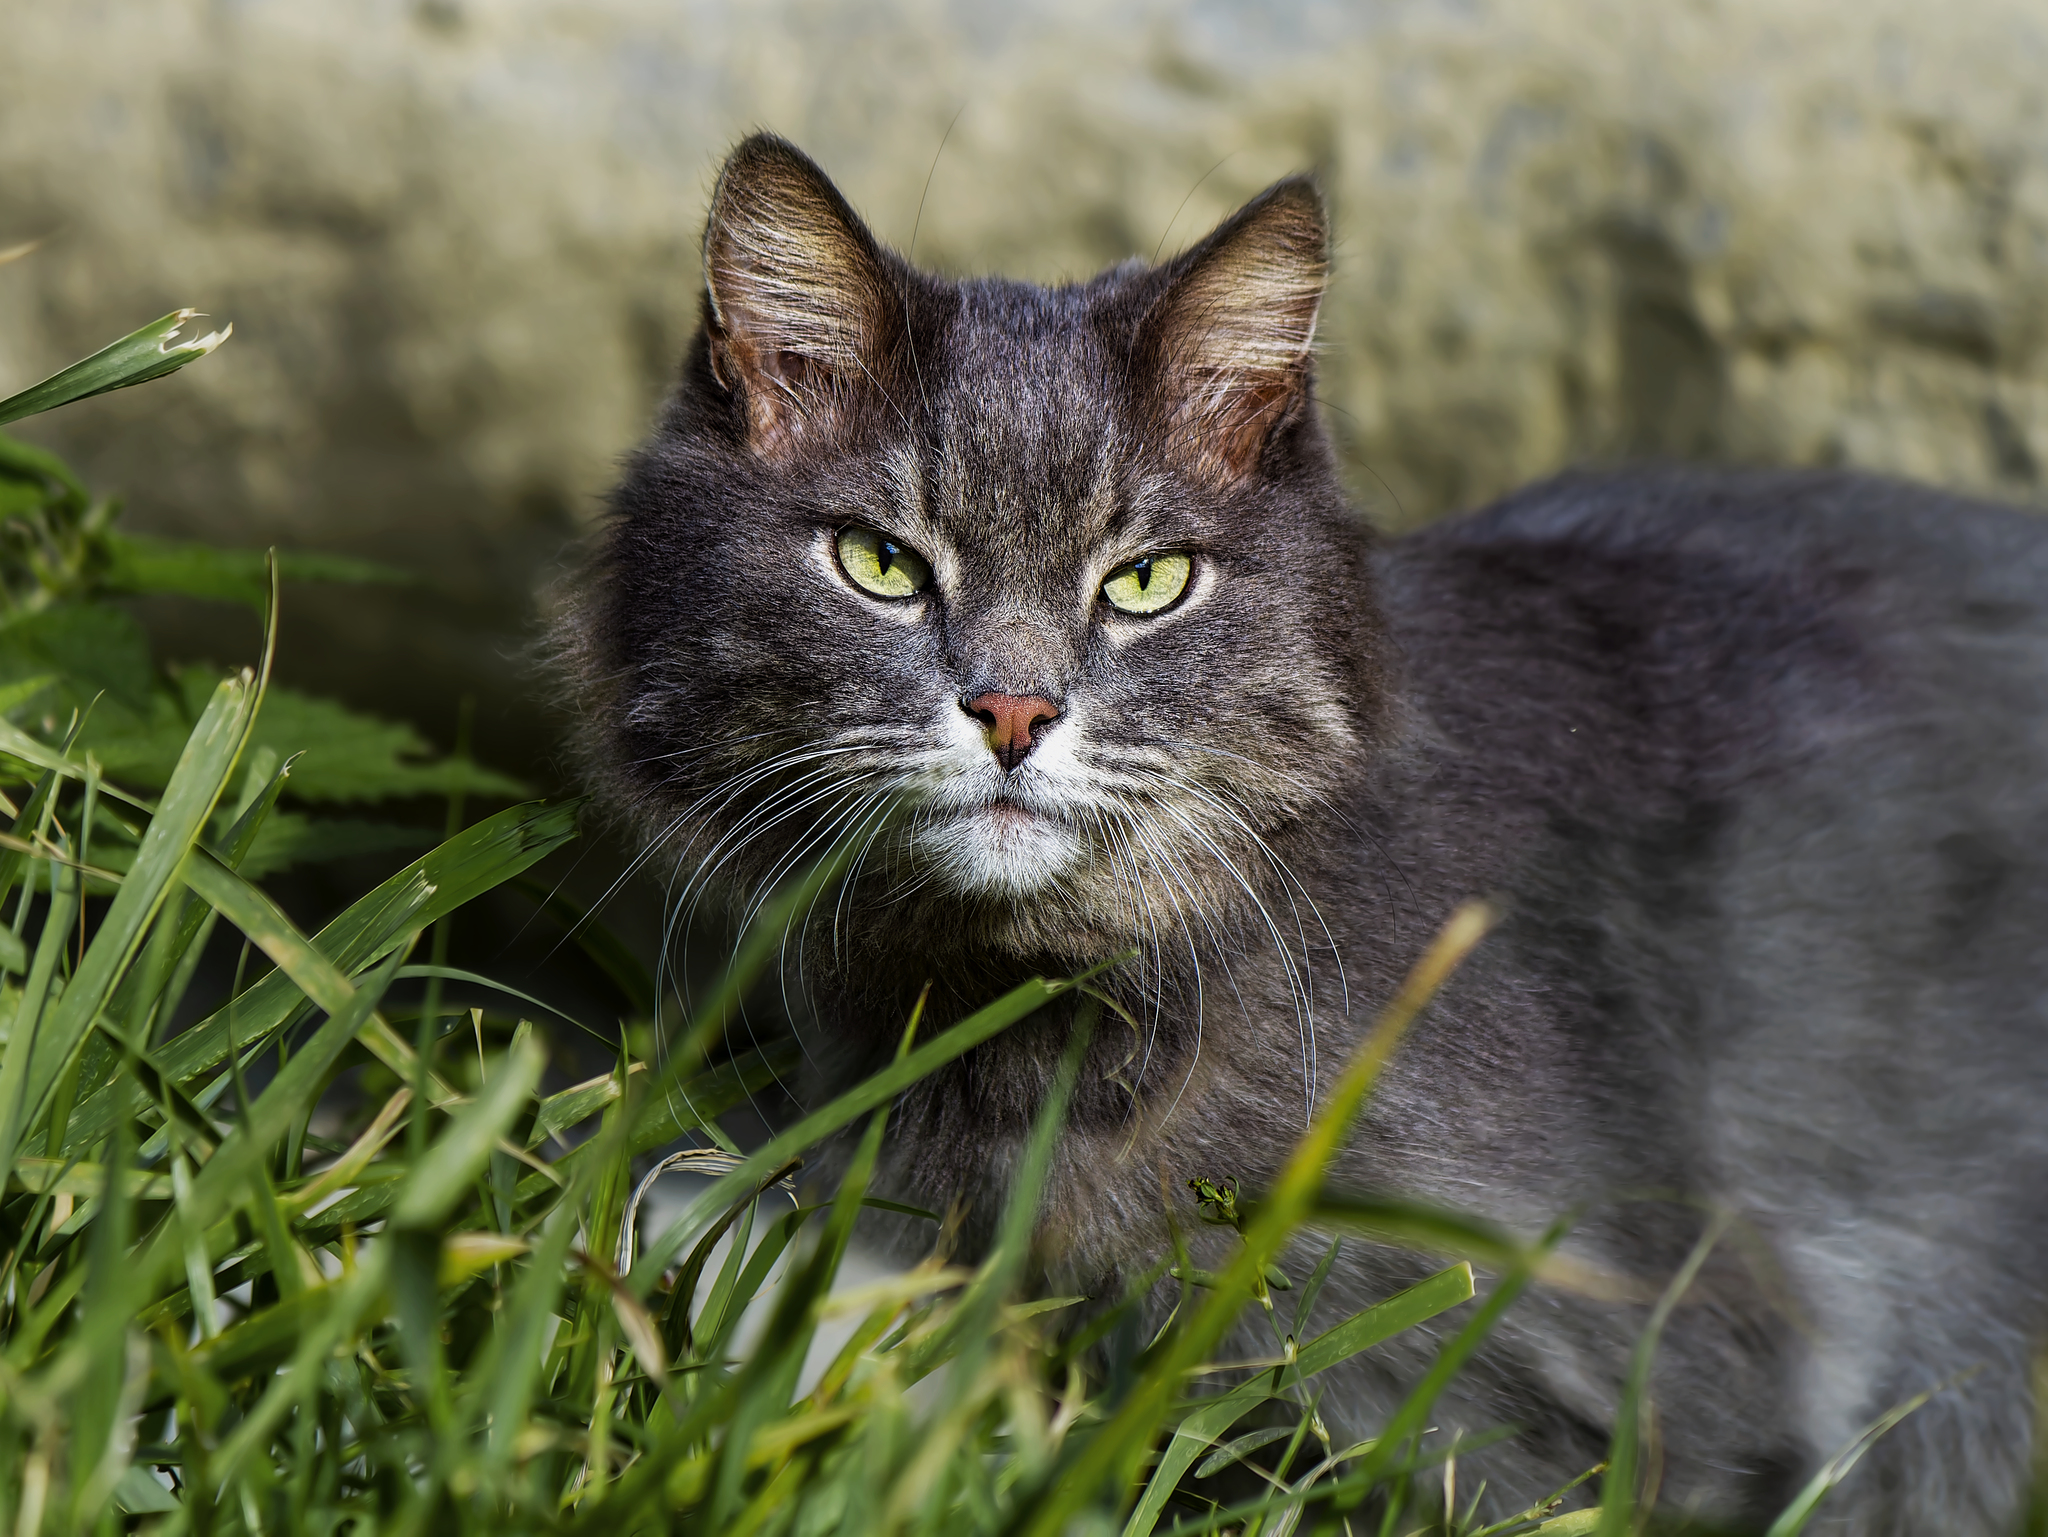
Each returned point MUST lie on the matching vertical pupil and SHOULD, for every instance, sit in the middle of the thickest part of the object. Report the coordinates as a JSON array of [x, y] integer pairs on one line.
[[885, 556], [1142, 570]]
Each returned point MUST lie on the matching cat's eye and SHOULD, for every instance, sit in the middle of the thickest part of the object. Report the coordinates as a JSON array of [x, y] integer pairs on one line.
[[878, 564], [1148, 584]]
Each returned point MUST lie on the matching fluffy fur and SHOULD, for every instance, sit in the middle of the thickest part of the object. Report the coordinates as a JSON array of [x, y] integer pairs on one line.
[[1758, 761]]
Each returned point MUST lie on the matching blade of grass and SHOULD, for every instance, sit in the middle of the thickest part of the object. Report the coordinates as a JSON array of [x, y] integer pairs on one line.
[[683, 1294], [13, 862], [765, 1382], [1836, 1468], [760, 1261], [28, 1011], [1619, 1494], [474, 979], [343, 1305], [1208, 1420], [508, 1375], [691, 1104], [922, 1485], [577, 1103], [198, 1262], [467, 865], [297, 958], [1417, 1225], [195, 788], [677, 1323], [101, 1340], [262, 782], [270, 1117], [1410, 1419], [459, 1154], [787, 1339], [136, 358]]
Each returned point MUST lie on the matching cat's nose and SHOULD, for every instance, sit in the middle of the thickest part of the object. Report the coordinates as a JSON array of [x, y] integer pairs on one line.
[[1010, 719]]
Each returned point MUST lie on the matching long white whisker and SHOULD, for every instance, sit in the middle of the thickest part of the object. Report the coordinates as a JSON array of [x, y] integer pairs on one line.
[[1123, 867], [1289, 885], [1167, 866], [1304, 1004]]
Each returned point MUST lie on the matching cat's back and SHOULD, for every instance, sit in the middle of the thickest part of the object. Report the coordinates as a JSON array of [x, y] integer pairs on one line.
[[1696, 632], [1789, 731], [1770, 516]]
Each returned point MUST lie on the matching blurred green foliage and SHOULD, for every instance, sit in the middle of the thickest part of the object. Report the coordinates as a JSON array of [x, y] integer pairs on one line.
[[74, 662]]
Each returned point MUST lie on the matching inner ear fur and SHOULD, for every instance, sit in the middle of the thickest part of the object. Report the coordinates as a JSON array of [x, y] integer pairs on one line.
[[801, 309], [1226, 348]]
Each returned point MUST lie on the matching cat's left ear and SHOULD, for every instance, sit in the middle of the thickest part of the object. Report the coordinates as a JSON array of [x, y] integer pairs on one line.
[[1226, 349]]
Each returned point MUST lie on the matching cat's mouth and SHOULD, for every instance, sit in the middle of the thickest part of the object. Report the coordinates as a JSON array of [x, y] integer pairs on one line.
[[1012, 825], [1007, 814], [1004, 845]]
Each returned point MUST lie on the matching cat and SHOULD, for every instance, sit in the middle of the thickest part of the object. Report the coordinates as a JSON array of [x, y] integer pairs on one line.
[[1048, 604]]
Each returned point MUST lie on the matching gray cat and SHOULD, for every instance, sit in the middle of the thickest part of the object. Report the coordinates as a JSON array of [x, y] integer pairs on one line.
[[1048, 604]]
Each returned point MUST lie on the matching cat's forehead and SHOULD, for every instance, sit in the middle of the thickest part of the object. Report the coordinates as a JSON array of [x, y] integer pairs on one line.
[[1026, 416]]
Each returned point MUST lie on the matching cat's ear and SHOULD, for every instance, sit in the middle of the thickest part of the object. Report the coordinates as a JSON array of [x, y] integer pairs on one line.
[[801, 306], [1226, 349]]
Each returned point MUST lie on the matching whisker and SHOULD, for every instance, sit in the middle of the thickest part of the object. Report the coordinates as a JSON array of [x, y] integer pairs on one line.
[[1297, 984], [1305, 991]]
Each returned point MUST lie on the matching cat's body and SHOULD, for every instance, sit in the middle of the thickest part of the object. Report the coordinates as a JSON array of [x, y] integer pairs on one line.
[[1759, 764]]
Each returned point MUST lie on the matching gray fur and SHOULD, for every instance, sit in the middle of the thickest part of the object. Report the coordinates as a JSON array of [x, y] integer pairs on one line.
[[1759, 762]]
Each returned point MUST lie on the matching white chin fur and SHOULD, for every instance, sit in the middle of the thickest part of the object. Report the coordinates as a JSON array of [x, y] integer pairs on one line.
[[1002, 850]]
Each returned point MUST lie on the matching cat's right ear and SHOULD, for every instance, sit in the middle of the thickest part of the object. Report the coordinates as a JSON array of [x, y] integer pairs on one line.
[[801, 306], [1227, 348]]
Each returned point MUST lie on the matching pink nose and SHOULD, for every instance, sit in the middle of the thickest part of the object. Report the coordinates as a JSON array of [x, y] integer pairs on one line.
[[1010, 719]]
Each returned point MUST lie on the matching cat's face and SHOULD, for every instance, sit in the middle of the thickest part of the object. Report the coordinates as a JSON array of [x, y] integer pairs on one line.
[[1042, 602]]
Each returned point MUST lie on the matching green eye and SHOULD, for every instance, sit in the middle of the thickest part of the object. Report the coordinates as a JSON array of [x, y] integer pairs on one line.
[[1148, 584], [878, 564]]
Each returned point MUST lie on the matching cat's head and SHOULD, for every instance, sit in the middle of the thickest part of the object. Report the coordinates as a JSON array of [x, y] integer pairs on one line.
[[1044, 600]]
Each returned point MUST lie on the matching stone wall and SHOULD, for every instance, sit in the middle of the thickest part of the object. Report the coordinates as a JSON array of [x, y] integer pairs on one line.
[[456, 238]]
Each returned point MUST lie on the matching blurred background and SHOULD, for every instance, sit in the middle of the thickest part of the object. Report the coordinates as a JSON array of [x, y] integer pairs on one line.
[[457, 240]]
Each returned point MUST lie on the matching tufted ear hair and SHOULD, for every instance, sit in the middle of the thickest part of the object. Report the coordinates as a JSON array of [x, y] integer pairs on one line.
[[1227, 345], [801, 306]]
